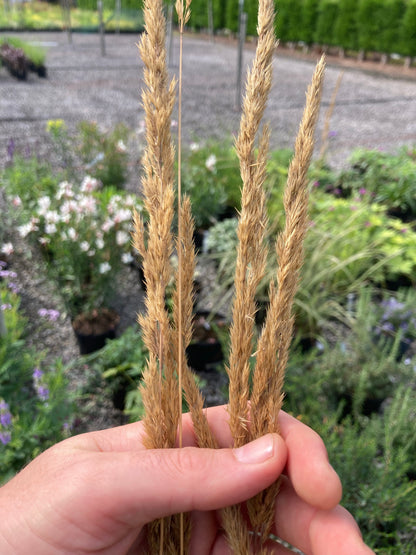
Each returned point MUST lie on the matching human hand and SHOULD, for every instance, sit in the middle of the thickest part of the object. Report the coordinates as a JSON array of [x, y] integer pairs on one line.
[[94, 493]]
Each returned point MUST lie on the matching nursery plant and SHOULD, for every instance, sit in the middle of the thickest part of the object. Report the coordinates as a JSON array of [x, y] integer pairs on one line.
[[388, 179], [35, 406], [84, 234]]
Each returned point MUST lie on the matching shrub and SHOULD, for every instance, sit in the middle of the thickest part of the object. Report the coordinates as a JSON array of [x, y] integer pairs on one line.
[[85, 237], [327, 15], [389, 35], [407, 39], [211, 178], [309, 19], [369, 23], [388, 179], [345, 29], [27, 179], [289, 14], [104, 153], [373, 464]]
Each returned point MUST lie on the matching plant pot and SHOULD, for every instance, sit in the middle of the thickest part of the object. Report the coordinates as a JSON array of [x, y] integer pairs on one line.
[[205, 350], [94, 328]]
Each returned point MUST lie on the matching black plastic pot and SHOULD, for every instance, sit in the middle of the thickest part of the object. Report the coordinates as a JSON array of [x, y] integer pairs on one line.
[[89, 343]]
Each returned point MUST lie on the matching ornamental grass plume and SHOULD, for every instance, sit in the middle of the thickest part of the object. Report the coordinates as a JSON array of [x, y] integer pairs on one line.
[[255, 397], [155, 244], [274, 342]]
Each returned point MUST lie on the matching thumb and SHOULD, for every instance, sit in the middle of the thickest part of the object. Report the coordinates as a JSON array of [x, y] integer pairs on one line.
[[150, 484]]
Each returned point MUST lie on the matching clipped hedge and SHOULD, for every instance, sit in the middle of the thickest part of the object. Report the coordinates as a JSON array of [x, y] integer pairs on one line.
[[386, 26]]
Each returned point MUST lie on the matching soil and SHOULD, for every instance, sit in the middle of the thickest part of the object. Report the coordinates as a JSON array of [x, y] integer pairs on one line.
[[375, 108], [96, 322]]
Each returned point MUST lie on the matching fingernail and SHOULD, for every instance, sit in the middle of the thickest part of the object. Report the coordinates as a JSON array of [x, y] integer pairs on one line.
[[257, 451]]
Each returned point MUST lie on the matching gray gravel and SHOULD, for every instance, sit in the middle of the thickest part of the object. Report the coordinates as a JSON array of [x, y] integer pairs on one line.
[[372, 110]]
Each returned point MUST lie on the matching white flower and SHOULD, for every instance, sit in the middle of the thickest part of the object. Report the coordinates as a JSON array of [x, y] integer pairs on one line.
[[69, 206], [7, 249], [25, 229], [52, 217], [120, 146], [99, 243], [193, 147], [122, 237], [72, 234], [43, 204], [89, 184], [44, 240], [64, 190], [127, 258], [84, 246], [17, 201], [104, 268], [107, 225], [210, 162], [50, 229], [122, 215], [87, 204], [91, 252]]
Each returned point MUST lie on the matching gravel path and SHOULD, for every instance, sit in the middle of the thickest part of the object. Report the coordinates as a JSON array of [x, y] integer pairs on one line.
[[372, 110]]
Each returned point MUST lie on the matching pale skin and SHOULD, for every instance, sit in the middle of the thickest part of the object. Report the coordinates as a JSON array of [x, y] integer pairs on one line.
[[94, 493]]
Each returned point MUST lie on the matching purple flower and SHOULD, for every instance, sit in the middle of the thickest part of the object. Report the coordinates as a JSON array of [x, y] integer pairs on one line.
[[6, 423], [11, 146], [42, 392], [14, 288], [49, 313], [362, 191], [5, 419], [37, 374], [5, 306], [5, 437], [7, 274], [41, 389], [333, 133]]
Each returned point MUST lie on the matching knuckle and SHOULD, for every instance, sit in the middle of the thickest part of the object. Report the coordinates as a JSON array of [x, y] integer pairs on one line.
[[188, 461]]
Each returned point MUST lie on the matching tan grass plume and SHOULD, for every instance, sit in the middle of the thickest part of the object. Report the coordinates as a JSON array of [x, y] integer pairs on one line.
[[253, 408], [274, 342]]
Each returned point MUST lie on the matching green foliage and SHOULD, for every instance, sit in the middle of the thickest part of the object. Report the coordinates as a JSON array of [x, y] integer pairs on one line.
[[387, 179], [407, 38], [389, 35], [369, 23], [121, 362], [327, 15], [35, 407], [36, 54], [361, 400], [231, 15], [211, 178], [28, 179], [309, 20], [219, 14], [104, 153], [40, 15], [289, 15], [373, 465], [345, 29]]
